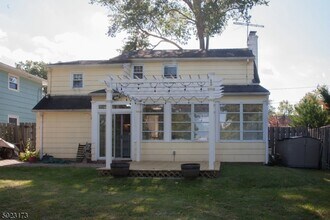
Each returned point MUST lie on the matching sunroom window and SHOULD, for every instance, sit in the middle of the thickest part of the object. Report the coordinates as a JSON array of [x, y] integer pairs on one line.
[[190, 122], [252, 122], [153, 122], [230, 122], [241, 122]]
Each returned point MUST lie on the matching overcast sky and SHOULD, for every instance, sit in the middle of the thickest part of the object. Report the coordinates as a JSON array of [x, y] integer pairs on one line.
[[294, 45]]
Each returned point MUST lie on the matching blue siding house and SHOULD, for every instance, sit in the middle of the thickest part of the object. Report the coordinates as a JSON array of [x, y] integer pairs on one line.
[[19, 93]]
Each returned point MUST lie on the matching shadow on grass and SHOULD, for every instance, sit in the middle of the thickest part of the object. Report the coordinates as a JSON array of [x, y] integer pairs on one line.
[[241, 192]]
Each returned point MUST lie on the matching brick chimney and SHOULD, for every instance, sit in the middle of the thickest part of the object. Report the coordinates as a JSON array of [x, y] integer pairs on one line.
[[252, 43]]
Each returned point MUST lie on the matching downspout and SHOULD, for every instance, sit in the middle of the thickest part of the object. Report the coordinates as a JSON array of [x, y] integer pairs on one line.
[[41, 135]]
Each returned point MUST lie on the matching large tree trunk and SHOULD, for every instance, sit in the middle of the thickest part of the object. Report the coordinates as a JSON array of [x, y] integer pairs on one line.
[[200, 23]]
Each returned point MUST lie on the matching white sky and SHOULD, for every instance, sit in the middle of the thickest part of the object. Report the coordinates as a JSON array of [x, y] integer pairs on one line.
[[294, 46]]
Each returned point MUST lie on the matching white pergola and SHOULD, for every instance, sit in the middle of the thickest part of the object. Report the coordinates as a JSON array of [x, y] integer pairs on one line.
[[202, 88]]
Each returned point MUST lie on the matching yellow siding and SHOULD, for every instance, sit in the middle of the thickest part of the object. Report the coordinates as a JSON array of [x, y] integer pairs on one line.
[[240, 152], [60, 77], [60, 81], [225, 152], [244, 98], [183, 151], [63, 131]]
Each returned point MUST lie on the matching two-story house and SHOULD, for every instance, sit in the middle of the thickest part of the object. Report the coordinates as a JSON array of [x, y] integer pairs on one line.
[[158, 105], [19, 93]]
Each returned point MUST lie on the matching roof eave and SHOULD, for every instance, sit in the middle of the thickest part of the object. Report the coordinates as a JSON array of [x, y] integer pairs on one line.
[[21, 73]]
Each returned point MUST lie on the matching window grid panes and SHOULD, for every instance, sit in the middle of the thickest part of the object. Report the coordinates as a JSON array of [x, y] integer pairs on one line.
[[77, 81], [252, 122], [153, 122], [241, 121], [190, 122], [13, 82], [230, 122], [137, 72]]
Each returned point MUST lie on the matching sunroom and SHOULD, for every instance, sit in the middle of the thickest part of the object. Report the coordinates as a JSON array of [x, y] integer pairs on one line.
[[176, 119]]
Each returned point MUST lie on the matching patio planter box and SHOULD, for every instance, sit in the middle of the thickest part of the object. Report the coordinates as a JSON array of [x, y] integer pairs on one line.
[[190, 170], [119, 169]]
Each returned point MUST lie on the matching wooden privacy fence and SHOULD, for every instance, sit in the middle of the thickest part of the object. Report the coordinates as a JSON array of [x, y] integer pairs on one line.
[[276, 134], [18, 134]]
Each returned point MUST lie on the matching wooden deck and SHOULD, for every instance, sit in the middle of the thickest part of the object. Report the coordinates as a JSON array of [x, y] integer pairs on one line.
[[164, 169]]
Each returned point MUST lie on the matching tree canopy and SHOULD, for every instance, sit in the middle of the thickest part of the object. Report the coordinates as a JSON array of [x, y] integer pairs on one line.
[[173, 21], [325, 95], [33, 67], [309, 113]]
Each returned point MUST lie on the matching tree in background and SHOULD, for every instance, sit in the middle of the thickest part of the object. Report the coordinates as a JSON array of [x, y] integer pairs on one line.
[[173, 21], [33, 67], [325, 96], [285, 108], [309, 113]]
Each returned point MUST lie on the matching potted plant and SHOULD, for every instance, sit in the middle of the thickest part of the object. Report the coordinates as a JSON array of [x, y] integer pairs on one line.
[[190, 170], [119, 169], [29, 154]]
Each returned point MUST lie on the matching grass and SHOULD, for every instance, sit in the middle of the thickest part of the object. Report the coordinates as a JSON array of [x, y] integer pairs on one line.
[[241, 192]]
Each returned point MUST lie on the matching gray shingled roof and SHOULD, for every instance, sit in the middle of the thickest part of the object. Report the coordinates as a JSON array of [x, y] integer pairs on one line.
[[226, 89], [167, 54], [84, 102], [63, 102]]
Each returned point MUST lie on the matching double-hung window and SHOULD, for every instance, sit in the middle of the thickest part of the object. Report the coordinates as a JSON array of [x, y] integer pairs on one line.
[[241, 122], [190, 122], [153, 122], [13, 82], [77, 80], [170, 71], [137, 72]]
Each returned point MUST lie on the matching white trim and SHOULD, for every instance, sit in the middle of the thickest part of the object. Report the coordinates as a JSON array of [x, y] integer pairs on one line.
[[95, 130], [167, 122], [265, 127], [15, 117], [108, 139], [18, 82]]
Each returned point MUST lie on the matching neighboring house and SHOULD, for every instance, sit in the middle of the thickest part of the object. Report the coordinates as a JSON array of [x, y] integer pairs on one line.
[[19, 93], [158, 105]]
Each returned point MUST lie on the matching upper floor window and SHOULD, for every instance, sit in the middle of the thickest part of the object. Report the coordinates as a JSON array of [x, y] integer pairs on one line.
[[170, 71], [137, 72], [13, 82], [77, 80]]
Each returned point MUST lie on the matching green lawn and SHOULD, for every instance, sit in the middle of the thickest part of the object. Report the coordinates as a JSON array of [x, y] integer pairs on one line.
[[241, 192]]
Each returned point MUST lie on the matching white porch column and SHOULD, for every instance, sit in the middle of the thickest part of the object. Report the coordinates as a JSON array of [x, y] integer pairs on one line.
[[94, 132], [133, 131], [138, 122], [265, 131], [108, 126], [41, 139], [212, 125]]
